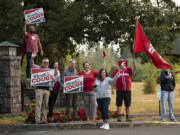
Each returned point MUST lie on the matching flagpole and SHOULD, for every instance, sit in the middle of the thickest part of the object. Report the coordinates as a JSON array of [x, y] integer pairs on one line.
[[104, 62], [133, 55]]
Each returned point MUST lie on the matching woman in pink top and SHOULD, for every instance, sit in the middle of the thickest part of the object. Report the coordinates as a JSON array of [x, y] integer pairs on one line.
[[88, 93]]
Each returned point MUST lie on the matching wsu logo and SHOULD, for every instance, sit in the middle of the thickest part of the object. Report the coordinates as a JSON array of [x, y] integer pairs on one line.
[[150, 48], [123, 64]]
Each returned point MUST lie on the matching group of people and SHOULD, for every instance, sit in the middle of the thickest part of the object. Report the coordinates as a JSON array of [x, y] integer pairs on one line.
[[96, 87]]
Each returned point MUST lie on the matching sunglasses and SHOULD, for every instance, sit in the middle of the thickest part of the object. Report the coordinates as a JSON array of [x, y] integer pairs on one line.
[[46, 62]]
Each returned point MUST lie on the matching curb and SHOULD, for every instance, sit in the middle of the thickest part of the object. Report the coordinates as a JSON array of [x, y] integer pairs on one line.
[[58, 126]]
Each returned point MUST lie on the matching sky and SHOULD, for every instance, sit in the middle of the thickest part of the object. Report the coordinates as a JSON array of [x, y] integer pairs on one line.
[[177, 2]]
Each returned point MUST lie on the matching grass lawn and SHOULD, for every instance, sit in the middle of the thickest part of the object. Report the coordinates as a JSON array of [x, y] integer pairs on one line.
[[142, 104], [14, 119], [146, 103]]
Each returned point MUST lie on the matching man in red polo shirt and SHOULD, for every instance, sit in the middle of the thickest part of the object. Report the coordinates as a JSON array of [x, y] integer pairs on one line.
[[123, 87], [32, 46]]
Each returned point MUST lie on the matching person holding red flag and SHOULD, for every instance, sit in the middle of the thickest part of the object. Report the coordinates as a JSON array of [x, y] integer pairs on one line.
[[123, 87]]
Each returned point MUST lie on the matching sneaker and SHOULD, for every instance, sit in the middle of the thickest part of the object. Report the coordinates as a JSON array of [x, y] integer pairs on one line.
[[163, 120], [106, 126], [102, 127], [174, 120]]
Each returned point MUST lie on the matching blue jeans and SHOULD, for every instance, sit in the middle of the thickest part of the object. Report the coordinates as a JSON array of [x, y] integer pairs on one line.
[[103, 105], [165, 95], [28, 65]]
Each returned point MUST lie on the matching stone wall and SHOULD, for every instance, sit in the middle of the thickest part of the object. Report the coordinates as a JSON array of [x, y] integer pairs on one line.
[[10, 84]]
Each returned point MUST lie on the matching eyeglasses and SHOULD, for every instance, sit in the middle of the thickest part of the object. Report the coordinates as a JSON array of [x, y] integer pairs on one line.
[[46, 62]]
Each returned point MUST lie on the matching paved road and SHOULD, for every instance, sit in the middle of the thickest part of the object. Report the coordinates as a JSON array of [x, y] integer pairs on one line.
[[154, 130]]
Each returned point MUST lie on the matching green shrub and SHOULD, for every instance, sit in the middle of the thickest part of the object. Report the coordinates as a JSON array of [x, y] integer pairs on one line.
[[150, 85]]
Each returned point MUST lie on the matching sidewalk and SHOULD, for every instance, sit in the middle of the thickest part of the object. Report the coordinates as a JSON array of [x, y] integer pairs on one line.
[[86, 125], [82, 125]]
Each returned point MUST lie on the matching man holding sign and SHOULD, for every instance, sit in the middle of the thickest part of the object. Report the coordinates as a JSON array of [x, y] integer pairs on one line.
[[31, 46], [43, 81], [71, 98]]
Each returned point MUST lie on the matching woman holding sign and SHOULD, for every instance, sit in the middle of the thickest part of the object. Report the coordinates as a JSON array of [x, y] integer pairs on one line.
[[103, 94], [89, 94]]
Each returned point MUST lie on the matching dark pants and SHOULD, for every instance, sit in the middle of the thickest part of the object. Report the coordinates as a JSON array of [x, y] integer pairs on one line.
[[52, 101], [28, 65], [71, 100], [103, 105]]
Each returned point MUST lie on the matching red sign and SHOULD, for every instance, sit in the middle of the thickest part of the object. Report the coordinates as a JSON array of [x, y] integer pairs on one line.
[[42, 77], [34, 15], [73, 84]]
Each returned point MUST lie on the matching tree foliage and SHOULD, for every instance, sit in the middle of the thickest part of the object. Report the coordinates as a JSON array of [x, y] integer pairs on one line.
[[11, 21], [72, 23]]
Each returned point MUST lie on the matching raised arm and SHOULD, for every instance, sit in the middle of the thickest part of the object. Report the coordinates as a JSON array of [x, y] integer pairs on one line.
[[24, 29], [112, 80], [134, 65]]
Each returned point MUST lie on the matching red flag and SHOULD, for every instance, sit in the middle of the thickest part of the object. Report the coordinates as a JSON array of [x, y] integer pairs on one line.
[[104, 54], [142, 44], [177, 72]]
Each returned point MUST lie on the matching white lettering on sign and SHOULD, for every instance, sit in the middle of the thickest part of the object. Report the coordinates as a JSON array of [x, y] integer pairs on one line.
[[41, 77], [73, 84], [123, 74]]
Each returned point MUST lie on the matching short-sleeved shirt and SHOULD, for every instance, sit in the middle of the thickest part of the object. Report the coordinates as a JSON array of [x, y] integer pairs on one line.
[[89, 80], [123, 82], [32, 41]]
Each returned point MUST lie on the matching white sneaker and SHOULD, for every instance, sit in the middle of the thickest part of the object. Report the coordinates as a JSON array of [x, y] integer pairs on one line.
[[106, 126], [102, 127]]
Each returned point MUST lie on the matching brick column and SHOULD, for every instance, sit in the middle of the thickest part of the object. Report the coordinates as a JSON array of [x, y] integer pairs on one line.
[[10, 84]]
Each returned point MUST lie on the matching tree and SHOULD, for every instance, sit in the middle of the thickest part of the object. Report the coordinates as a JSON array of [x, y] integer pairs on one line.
[[71, 23], [11, 21], [114, 21]]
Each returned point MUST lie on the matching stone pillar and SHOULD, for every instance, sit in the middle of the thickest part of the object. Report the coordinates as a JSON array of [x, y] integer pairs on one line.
[[10, 81]]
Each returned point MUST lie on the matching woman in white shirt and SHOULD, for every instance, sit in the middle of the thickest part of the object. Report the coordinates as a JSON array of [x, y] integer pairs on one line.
[[103, 94]]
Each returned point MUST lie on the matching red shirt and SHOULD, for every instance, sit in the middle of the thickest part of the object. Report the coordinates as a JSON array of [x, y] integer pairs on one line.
[[123, 83], [89, 80], [32, 41]]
